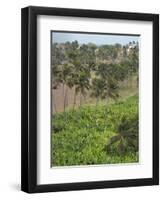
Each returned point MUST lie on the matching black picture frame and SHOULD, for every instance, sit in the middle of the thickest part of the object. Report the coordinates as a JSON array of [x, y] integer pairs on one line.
[[29, 99]]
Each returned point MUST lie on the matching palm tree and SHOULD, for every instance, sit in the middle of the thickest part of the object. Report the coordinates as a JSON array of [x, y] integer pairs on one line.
[[126, 138], [97, 87], [107, 73], [58, 58], [66, 74], [56, 82], [71, 80], [82, 84]]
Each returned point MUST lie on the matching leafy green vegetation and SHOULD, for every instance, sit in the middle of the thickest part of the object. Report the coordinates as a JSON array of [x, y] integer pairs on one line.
[[96, 88], [92, 70], [96, 134]]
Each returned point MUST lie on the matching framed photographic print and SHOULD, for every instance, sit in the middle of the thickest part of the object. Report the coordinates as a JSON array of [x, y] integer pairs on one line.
[[90, 99]]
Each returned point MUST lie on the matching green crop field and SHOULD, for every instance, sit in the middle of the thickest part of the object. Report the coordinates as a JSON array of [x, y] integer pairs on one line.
[[96, 134]]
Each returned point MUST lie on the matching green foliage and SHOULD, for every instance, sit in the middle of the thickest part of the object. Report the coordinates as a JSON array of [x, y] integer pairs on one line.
[[108, 51], [106, 82], [80, 137], [80, 66], [126, 138]]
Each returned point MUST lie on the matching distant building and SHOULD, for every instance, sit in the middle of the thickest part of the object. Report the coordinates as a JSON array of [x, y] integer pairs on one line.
[[131, 46]]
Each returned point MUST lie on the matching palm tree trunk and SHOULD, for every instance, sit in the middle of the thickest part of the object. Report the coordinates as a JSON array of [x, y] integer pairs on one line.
[[137, 81], [63, 91], [63, 86], [80, 98], [74, 103], [97, 99], [84, 98], [65, 97], [54, 108]]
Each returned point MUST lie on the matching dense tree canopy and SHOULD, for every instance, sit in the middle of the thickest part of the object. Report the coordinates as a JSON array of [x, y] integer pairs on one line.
[[91, 69]]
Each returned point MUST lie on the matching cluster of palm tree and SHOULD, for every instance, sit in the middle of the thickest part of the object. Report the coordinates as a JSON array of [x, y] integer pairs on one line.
[[82, 68]]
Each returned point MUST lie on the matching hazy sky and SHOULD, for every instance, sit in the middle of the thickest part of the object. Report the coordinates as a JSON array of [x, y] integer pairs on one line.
[[98, 39]]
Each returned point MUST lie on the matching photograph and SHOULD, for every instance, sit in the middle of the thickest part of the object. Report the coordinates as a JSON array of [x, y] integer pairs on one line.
[[89, 99], [94, 98]]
